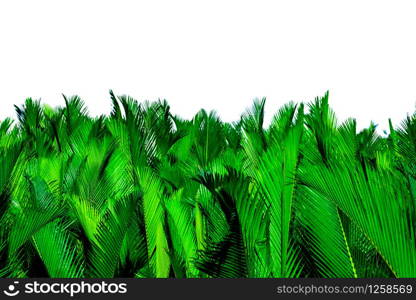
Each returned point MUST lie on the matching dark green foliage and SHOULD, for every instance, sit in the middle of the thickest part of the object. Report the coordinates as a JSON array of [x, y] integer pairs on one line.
[[143, 193]]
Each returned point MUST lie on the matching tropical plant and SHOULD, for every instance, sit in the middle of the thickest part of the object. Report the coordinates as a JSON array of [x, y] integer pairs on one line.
[[144, 193]]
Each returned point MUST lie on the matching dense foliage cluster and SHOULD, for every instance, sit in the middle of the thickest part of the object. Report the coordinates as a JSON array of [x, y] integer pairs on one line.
[[144, 193]]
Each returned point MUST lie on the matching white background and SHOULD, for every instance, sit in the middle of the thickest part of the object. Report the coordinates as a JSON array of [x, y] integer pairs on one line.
[[215, 54]]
